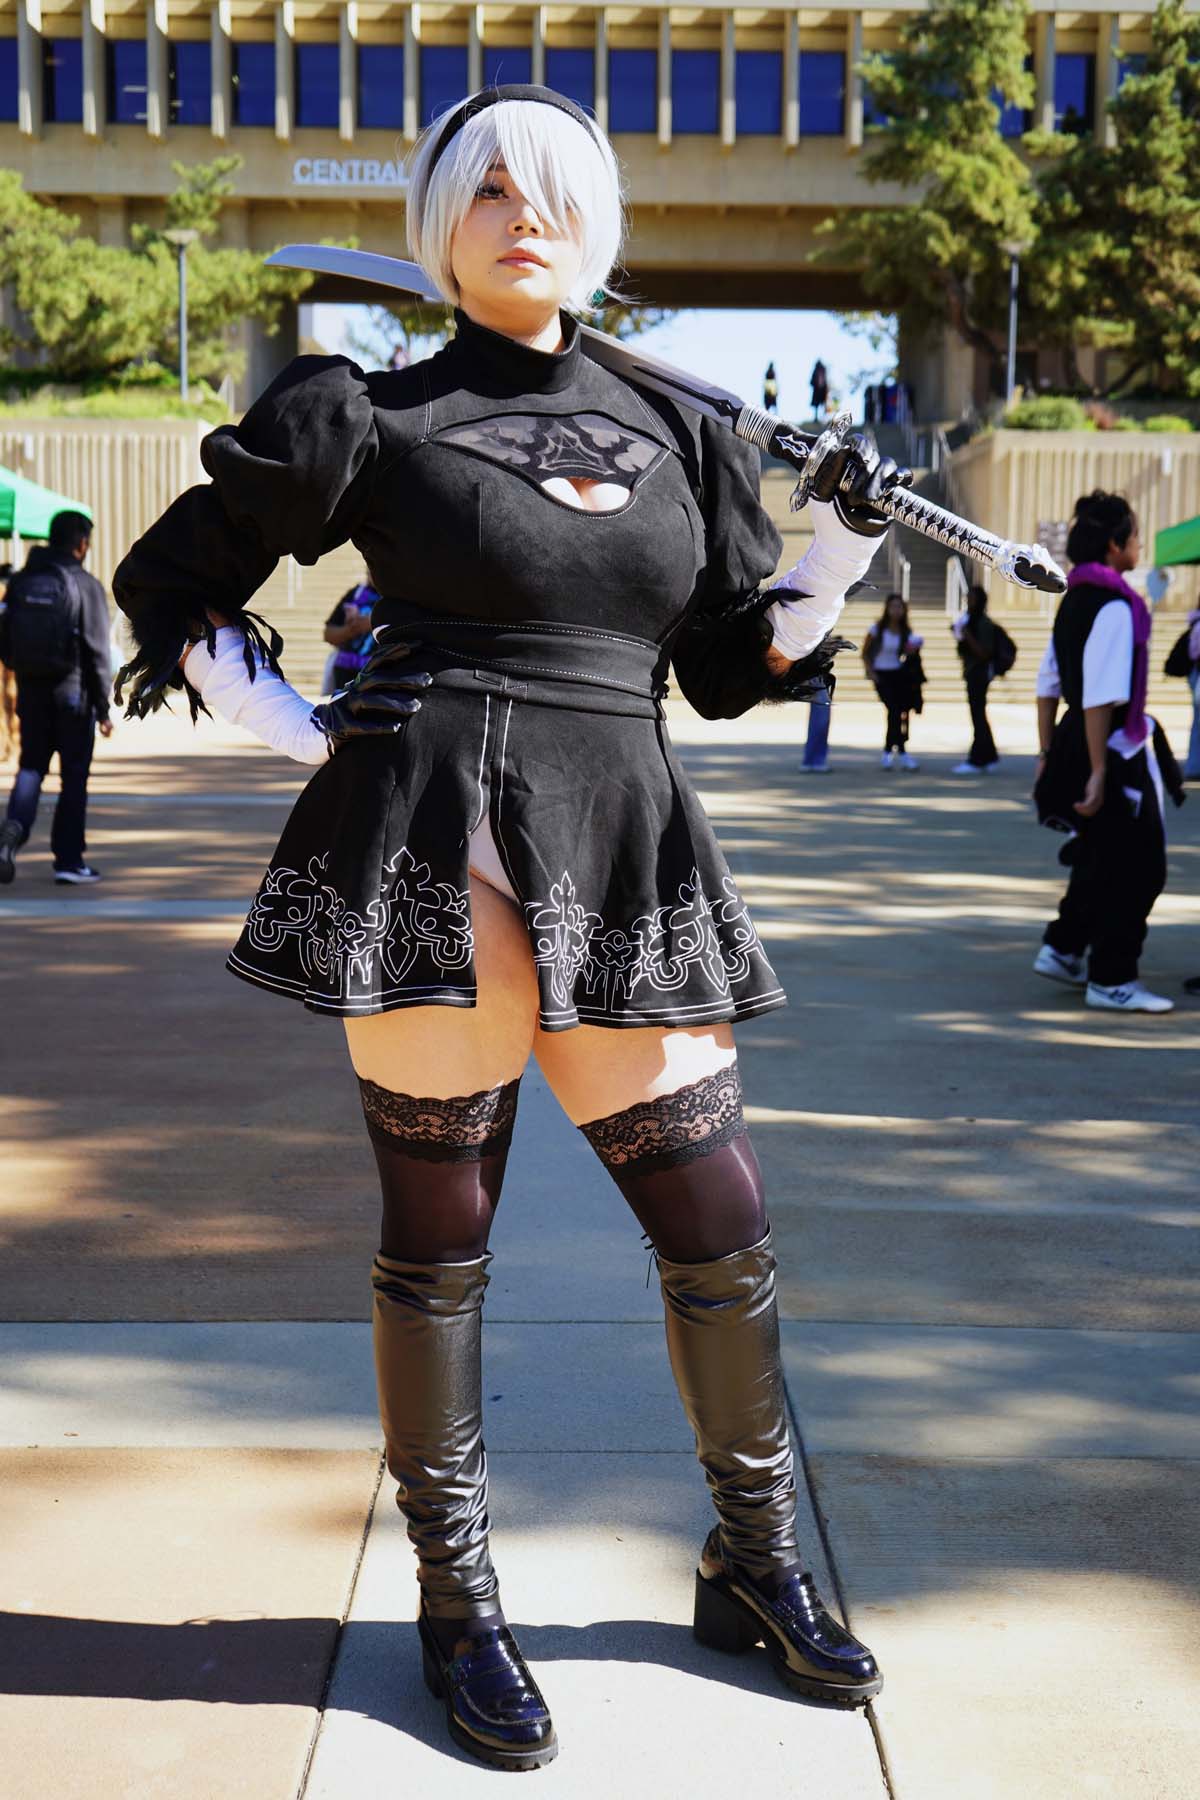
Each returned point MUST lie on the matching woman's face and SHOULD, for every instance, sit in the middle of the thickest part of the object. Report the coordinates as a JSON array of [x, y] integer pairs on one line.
[[1126, 556], [895, 612], [513, 270]]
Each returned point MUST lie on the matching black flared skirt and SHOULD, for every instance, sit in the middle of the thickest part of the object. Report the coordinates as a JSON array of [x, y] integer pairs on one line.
[[632, 914]]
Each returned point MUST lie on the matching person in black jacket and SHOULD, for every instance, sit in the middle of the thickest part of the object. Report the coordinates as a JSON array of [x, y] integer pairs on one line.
[[58, 711], [500, 853]]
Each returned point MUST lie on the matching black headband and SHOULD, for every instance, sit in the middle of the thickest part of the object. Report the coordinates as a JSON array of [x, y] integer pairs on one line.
[[514, 90]]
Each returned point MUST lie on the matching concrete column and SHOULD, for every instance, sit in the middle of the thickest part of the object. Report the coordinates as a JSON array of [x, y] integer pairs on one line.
[[412, 72], [1108, 42], [601, 93], [538, 47], [664, 78], [854, 86], [285, 70], [112, 225], [267, 357], [29, 67], [1043, 66], [728, 83], [221, 114], [474, 49], [791, 81], [348, 71], [158, 85], [95, 74]]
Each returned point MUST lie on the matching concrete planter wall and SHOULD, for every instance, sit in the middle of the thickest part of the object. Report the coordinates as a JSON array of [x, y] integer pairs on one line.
[[1010, 481]]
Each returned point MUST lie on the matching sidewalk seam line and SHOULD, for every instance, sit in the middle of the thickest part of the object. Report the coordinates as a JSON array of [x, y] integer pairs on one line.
[[810, 1483], [351, 1585]]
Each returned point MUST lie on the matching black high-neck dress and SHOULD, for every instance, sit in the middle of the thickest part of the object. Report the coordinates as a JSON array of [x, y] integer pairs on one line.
[[549, 632]]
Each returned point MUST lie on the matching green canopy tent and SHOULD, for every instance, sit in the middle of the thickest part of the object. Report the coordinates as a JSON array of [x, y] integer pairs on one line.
[[1177, 544], [27, 509]]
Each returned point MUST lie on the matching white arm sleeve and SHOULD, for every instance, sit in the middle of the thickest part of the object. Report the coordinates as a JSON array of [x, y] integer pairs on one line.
[[1108, 656], [834, 561], [1049, 687], [268, 706]]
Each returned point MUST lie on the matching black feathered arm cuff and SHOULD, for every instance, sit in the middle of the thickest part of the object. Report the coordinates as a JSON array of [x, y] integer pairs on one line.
[[720, 661], [154, 670]]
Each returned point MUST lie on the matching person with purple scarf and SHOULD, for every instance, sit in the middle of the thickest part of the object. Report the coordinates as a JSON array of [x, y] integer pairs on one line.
[[1103, 768]]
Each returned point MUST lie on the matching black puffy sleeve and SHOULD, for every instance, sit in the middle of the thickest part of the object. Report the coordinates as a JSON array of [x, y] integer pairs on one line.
[[294, 477], [719, 655]]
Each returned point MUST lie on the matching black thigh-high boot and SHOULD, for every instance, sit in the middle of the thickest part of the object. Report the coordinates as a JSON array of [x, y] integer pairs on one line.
[[686, 1166], [441, 1163]]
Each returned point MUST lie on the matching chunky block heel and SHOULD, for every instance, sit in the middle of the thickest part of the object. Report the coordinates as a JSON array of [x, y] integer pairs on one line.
[[720, 1622]]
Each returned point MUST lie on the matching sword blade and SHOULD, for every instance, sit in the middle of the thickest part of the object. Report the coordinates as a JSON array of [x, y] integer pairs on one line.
[[357, 265]]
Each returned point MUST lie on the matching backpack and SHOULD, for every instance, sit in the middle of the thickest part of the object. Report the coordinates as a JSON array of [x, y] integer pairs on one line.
[[1004, 654], [41, 623], [1178, 662]]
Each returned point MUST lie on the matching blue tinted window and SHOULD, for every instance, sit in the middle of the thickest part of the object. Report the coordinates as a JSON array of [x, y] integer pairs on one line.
[[127, 81], [62, 86], [1132, 62], [443, 78], [381, 86], [189, 73], [758, 84], [695, 90], [316, 84], [1074, 90], [506, 62], [254, 84], [822, 93], [633, 90], [8, 78], [573, 73], [1014, 120]]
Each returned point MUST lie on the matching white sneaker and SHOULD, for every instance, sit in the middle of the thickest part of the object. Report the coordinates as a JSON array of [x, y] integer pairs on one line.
[[886, 760], [966, 768], [907, 761], [80, 877], [815, 768], [1129, 997], [1056, 967]]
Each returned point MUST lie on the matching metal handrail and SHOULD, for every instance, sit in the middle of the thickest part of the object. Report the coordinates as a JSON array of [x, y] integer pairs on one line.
[[899, 567], [956, 587]]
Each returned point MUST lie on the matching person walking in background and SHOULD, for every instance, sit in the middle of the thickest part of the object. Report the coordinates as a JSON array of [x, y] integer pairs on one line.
[[1191, 768], [819, 382], [1103, 767], [770, 389], [986, 650], [348, 629], [891, 654], [54, 636], [816, 744]]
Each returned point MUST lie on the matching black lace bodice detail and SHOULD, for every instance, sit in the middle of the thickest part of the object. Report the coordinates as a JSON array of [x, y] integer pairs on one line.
[[463, 1129], [659, 1134], [585, 447]]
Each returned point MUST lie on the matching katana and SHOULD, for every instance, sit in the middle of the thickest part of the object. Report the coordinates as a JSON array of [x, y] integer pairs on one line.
[[1028, 565]]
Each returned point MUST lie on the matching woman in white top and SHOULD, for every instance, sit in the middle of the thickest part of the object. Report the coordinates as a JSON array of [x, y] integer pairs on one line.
[[893, 664]]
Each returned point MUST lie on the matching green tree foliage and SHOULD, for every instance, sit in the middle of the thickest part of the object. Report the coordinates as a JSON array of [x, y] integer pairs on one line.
[[936, 259], [1119, 255], [95, 309]]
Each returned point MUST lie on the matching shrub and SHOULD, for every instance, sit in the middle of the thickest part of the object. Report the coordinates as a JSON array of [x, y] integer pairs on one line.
[[1166, 422], [1048, 412]]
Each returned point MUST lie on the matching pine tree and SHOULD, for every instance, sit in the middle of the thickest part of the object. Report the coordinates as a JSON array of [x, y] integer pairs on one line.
[[937, 259], [1118, 260]]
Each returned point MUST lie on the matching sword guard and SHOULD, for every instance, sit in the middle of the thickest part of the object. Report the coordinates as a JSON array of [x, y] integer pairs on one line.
[[831, 440]]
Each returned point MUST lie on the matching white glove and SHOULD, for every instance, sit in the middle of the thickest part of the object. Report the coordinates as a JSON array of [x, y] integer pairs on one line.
[[268, 706], [833, 562]]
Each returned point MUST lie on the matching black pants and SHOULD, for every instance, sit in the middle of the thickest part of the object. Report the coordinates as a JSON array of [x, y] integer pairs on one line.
[[1118, 872], [983, 745], [894, 688], [54, 717]]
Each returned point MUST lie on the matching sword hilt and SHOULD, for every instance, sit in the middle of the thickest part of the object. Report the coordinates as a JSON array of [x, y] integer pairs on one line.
[[1026, 565]]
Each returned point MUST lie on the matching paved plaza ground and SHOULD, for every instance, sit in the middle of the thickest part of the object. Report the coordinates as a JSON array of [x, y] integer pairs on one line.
[[986, 1202]]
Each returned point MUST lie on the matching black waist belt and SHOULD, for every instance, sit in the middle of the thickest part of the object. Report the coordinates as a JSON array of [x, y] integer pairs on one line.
[[570, 666]]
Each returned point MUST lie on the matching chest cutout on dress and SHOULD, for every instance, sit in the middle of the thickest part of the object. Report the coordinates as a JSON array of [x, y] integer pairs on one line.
[[584, 455]]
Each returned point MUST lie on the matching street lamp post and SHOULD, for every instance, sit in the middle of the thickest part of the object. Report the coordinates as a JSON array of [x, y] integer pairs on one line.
[[181, 239], [1014, 249]]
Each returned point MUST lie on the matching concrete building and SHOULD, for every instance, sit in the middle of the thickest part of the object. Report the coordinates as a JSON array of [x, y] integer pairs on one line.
[[739, 127]]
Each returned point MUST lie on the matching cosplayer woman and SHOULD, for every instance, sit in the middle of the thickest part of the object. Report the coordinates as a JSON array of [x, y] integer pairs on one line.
[[500, 853], [1104, 766]]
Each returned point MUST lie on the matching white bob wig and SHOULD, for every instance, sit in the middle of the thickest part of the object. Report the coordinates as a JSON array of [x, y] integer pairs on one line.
[[565, 169]]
